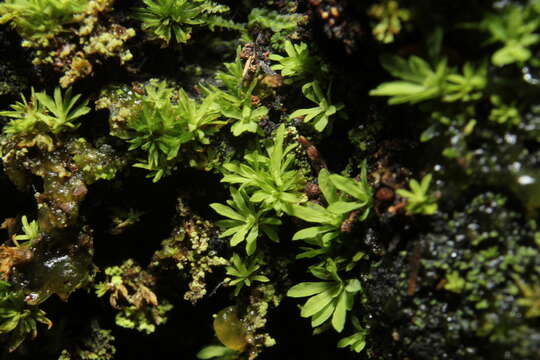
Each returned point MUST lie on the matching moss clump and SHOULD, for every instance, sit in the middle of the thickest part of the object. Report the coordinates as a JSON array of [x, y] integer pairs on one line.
[[66, 173], [97, 344], [189, 247], [465, 296], [130, 289], [70, 36]]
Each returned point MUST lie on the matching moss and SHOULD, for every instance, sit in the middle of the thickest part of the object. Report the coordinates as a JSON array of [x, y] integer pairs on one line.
[[263, 298], [104, 43], [98, 344], [131, 294], [11, 83], [188, 248], [74, 39], [122, 104], [66, 173], [463, 302]]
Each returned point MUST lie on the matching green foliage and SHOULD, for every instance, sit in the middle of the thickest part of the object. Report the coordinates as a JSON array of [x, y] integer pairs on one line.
[[331, 217], [420, 81], [201, 118], [488, 247], [235, 101], [320, 114], [37, 19], [330, 298], [31, 232], [244, 273], [457, 124], [298, 63], [246, 116], [359, 190], [45, 113], [61, 110], [133, 317], [157, 130], [232, 77], [98, 344], [167, 19], [530, 299], [217, 351], [17, 318], [467, 86], [273, 20], [268, 179], [390, 17], [455, 282], [167, 120], [514, 27], [503, 113], [25, 115], [282, 25], [418, 199], [245, 221], [356, 341]]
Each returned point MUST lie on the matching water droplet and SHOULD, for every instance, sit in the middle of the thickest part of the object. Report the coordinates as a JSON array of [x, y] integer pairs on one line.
[[526, 180], [528, 77], [510, 138], [229, 330], [515, 166]]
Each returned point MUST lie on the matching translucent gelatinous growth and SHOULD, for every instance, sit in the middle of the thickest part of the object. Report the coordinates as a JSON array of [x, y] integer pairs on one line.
[[229, 329]]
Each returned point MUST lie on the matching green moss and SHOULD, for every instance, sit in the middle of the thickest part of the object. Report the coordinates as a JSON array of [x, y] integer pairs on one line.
[[40, 20], [97, 345], [68, 34], [390, 17], [464, 291], [189, 249], [283, 25], [66, 172], [45, 114], [166, 19], [18, 320]]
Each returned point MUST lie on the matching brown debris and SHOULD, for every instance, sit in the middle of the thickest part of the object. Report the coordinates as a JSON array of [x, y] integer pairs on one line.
[[11, 256], [317, 162]]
